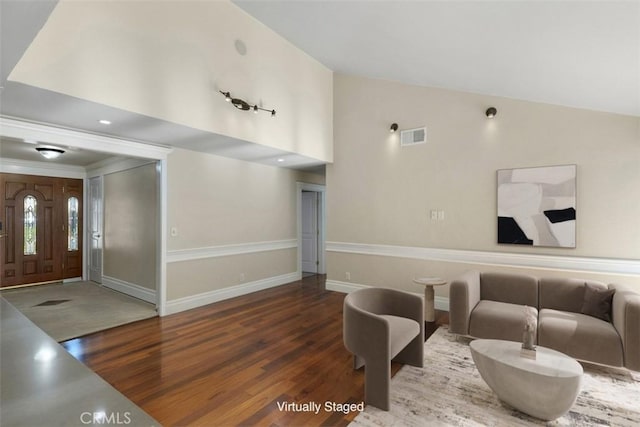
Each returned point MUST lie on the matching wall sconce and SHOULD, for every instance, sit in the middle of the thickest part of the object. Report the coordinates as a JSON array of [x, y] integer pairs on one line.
[[241, 104], [49, 152], [393, 128], [491, 112]]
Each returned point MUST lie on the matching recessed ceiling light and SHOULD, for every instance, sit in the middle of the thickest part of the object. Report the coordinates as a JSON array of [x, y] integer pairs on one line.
[[104, 122], [280, 160]]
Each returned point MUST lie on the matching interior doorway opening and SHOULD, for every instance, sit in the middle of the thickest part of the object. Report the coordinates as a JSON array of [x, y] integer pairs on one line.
[[311, 229]]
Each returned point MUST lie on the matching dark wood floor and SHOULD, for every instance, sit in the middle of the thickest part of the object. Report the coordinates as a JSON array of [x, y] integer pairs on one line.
[[230, 363]]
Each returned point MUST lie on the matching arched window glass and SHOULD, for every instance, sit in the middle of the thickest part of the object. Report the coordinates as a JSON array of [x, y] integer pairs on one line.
[[30, 225], [72, 229]]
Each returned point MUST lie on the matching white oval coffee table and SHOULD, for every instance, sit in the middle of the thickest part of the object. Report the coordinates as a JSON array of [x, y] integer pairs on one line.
[[545, 388]]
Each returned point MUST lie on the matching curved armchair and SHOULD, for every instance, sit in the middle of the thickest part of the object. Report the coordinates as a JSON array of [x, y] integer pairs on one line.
[[381, 325]]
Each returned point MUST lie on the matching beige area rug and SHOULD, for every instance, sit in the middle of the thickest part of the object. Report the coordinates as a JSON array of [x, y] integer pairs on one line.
[[71, 310], [449, 391]]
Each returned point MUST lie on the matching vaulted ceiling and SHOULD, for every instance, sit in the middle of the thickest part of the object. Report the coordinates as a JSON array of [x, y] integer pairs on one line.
[[583, 54]]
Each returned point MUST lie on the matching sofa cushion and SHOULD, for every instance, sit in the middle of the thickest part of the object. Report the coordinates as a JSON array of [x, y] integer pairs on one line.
[[597, 302], [564, 294], [509, 288], [581, 336], [497, 320]]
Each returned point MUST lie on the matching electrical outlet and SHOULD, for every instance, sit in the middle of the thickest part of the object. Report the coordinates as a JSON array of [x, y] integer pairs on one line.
[[174, 231], [434, 215], [347, 275]]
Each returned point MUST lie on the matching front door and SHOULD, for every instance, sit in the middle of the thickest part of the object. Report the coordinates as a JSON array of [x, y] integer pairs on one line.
[[41, 227]]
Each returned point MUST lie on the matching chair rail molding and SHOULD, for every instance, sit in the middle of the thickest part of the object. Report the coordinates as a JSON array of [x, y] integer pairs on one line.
[[549, 262], [178, 255]]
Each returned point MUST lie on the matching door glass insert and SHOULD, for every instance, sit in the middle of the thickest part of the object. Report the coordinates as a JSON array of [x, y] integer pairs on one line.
[[30, 225], [72, 229]]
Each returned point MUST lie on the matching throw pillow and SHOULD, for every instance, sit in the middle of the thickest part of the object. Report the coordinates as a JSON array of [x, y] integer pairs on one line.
[[597, 301]]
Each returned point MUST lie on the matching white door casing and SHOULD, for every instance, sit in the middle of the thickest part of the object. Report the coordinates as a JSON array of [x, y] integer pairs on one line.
[[309, 222], [95, 229]]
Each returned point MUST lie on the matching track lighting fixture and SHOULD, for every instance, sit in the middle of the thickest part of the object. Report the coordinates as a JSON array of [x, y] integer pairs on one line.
[[241, 104], [491, 112], [393, 128]]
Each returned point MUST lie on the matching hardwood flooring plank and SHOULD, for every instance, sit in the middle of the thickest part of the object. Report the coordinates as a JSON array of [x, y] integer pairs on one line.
[[234, 362]]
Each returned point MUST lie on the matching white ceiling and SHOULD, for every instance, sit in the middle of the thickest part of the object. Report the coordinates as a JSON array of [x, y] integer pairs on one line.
[[12, 148], [574, 53], [583, 54]]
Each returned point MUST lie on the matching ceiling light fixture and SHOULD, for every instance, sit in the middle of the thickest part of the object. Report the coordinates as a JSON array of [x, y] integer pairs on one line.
[[104, 122], [241, 104], [49, 152], [393, 128], [491, 112]]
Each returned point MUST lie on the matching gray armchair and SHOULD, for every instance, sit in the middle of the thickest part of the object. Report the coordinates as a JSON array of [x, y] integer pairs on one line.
[[381, 325]]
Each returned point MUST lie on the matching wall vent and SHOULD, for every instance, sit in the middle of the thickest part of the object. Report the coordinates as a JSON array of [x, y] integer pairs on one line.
[[413, 136]]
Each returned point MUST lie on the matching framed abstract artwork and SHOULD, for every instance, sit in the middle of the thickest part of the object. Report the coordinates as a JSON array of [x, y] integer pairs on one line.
[[537, 206]]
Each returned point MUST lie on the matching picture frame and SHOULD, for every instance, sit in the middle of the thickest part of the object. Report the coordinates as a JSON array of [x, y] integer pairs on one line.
[[536, 206]]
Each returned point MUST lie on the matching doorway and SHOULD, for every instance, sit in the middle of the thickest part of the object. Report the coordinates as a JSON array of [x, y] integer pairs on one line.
[[311, 229], [310, 232], [95, 229], [41, 229]]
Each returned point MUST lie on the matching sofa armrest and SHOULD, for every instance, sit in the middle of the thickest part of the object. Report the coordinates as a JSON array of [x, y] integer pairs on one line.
[[464, 295], [626, 320]]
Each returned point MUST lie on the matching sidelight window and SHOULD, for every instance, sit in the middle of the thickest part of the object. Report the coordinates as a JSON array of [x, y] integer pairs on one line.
[[30, 225], [72, 229]]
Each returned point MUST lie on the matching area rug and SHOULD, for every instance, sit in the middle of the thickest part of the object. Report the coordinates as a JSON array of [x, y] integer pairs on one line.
[[449, 391], [71, 310]]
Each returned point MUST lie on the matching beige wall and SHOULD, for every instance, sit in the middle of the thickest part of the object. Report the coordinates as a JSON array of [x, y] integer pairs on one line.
[[189, 278], [214, 202], [131, 226], [165, 59], [381, 194]]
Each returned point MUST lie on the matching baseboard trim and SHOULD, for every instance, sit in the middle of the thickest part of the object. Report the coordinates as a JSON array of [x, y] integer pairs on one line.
[[227, 250], [441, 303], [548, 262], [130, 289], [195, 301]]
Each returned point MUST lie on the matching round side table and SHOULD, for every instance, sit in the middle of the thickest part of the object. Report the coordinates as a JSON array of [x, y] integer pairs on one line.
[[429, 295]]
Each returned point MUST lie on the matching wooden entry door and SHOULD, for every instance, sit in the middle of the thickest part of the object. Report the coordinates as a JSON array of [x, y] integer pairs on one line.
[[41, 229]]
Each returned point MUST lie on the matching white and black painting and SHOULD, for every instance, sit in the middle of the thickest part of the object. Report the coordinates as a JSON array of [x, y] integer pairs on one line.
[[537, 206]]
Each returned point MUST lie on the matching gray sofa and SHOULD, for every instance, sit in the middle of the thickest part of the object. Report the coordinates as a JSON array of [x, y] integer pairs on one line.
[[587, 320]]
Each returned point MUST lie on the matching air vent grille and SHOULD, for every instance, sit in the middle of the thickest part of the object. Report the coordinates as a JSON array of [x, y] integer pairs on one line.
[[413, 136]]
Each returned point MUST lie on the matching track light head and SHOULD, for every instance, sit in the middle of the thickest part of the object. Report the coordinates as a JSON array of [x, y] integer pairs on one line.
[[491, 112], [241, 104], [393, 128]]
